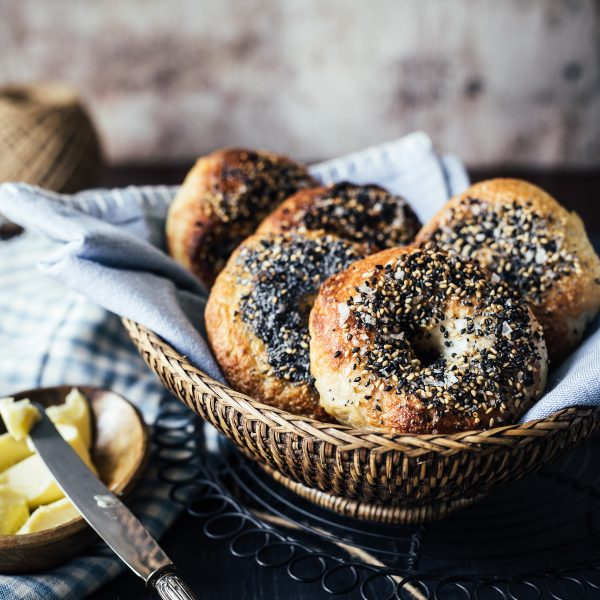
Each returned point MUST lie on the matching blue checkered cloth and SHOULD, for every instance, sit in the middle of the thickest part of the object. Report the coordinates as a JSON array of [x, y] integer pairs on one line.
[[49, 336], [97, 255]]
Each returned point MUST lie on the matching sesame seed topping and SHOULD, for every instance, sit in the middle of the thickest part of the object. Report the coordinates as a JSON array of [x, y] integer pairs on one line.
[[407, 350], [249, 185], [510, 239], [362, 213]]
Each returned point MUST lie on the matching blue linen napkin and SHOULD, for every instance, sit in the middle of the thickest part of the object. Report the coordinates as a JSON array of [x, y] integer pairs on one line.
[[103, 252], [98, 250], [102, 237], [105, 247]]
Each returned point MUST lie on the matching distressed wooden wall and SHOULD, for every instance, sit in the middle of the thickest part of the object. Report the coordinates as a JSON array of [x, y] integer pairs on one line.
[[498, 81]]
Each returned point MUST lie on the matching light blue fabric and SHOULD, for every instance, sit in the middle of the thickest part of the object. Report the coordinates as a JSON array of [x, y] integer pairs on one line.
[[104, 247]]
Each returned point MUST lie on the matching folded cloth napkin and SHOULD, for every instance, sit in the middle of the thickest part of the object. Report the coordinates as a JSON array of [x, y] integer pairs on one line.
[[103, 248], [99, 250], [106, 246], [103, 251]]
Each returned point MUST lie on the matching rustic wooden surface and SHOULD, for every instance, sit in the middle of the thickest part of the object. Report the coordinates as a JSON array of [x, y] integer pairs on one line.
[[206, 564]]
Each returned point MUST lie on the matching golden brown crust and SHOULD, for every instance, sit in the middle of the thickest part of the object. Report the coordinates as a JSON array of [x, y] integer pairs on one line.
[[224, 196], [568, 302], [342, 348], [288, 215], [365, 214], [257, 315]]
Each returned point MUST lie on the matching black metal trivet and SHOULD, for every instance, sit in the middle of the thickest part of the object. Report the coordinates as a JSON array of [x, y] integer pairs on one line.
[[536, 538]]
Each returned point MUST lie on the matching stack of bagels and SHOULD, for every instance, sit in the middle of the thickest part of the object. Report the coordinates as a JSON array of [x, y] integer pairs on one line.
[[335, 302]]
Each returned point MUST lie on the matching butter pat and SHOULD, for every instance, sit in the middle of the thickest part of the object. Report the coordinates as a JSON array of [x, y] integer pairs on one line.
[[13, 511], [32, 479], [12, 451], [19, 417], [75, 411], [71, 434], [49, 516]]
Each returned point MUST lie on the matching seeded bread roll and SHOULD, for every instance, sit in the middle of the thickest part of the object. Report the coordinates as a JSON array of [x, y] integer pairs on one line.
[[222, 200], [366, 214], [522, 234], [257, 315], [416, 340]]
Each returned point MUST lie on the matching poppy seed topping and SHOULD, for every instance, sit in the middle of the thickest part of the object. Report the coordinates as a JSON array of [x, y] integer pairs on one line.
[[283, 275]]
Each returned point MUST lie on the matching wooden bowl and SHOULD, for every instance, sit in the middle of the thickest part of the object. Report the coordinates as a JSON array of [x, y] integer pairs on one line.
[[366, 474], [120, 453]]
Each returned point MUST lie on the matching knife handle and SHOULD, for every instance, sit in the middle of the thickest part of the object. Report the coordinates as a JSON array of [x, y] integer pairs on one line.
[[170, 587]]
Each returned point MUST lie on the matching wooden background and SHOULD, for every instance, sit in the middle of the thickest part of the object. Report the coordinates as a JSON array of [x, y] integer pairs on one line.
[[498, 82]]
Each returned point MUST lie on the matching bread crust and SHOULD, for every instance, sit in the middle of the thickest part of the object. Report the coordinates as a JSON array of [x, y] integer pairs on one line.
[[569, 302], [235, 340], [362, 213], [336, 334], [223, 198]]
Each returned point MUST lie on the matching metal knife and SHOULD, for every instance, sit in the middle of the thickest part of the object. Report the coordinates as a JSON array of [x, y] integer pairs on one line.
[[106, 514]]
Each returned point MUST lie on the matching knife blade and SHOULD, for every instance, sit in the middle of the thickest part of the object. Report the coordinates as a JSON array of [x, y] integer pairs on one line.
[[105, 513]]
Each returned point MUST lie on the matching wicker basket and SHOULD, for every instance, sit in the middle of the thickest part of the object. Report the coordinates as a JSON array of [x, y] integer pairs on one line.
[[385, 478]]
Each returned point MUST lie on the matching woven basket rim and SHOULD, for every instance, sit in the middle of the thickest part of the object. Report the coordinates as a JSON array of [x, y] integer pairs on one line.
[[374, 440]]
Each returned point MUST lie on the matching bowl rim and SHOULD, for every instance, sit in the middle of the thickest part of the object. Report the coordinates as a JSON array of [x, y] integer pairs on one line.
[[343, 437], [123, 490]]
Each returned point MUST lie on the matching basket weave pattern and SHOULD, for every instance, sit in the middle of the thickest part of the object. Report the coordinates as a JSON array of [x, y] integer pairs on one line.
[[404, 478]]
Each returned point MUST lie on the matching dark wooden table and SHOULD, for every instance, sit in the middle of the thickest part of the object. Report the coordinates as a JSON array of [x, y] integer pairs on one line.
[[207, 565]]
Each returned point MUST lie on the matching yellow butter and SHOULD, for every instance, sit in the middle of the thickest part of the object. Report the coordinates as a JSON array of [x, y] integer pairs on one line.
[[49, 516], [13, 511], [12, 451], [32, 479], [18, 416], [75, 411]]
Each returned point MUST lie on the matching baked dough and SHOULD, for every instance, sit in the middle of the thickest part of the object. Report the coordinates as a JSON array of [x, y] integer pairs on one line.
[[222, 200], [527, 238], [257, 315], [366, 214], [416, 340]]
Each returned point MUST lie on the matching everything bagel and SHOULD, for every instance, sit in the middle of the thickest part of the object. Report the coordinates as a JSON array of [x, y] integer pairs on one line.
[[418, 340], [257, 315]]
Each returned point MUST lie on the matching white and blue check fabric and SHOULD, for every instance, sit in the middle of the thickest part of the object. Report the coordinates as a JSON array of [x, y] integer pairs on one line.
[[49, 336], [89, 258]]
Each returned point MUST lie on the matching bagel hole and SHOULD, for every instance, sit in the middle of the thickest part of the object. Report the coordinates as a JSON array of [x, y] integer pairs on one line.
[[427, 350]]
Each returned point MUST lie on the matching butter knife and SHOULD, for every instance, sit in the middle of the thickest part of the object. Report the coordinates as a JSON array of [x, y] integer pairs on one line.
[[106, 514]]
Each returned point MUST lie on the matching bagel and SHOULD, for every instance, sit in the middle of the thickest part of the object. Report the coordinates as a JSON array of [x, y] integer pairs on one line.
[[222, 200], [366, 214], [257, 315], [527, 238], [417, 340]]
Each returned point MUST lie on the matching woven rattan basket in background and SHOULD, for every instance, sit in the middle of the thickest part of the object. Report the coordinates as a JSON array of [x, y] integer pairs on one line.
[[386, 478]]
